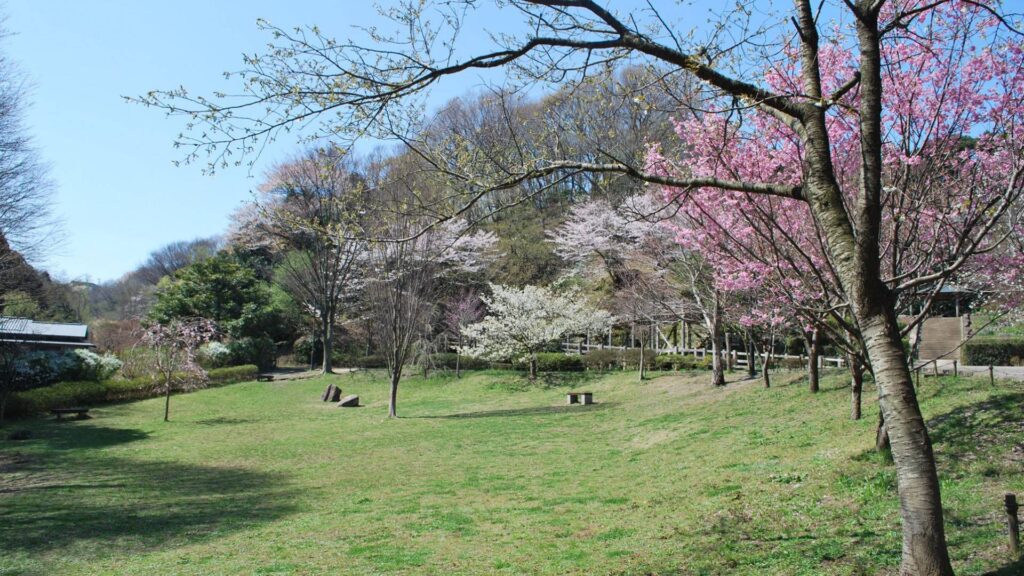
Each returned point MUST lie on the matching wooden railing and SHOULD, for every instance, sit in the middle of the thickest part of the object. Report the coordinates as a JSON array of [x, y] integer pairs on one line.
[[738, 358]]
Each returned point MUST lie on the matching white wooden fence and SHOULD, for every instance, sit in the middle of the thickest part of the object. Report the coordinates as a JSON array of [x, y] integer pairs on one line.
[[738, 358]]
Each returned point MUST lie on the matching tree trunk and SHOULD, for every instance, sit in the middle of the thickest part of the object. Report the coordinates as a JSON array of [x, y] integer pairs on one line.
[[3, 406], [924, 539], [458, 359], [167, 401], [856, 385], [533, 366], [765, 364], [751, 366], [812, 341], [328, 329], [882, 435], [642, 375], [393, 396], [717, 367]]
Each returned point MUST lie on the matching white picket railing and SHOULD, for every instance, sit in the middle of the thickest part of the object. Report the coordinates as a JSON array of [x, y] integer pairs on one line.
[[738, 358]]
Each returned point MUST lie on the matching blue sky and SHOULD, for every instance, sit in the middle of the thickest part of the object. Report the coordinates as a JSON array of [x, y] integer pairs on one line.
[[117, 190]]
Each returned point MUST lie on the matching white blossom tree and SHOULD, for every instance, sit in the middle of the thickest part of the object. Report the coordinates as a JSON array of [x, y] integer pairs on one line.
[[521, 321]]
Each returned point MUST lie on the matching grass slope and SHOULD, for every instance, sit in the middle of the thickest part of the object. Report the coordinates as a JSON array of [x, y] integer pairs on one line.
[[484, 476]]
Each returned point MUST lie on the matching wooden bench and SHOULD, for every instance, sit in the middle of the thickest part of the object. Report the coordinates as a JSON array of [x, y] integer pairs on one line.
[[79, 412], [584, 398]]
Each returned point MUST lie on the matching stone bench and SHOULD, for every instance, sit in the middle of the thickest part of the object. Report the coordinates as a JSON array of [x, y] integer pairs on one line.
[[79, 413], [583, 398]]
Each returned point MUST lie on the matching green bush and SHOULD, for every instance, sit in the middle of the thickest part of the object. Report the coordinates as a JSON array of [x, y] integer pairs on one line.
[[233, 374], [630, 359], [447, 360], [72, 394], [552, 362], [994, 351], [259, 351], [61, 395], [602, 359], [668, 362], [681, 362]]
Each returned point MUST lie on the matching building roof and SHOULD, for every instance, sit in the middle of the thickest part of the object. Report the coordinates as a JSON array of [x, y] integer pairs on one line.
[[25, 327]]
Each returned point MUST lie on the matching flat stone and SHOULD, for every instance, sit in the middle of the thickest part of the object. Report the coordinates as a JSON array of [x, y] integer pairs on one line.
[[350, 401]]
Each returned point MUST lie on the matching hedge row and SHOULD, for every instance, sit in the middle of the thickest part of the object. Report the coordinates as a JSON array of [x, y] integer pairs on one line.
[[675, 362], [70, 394], [994, 352]]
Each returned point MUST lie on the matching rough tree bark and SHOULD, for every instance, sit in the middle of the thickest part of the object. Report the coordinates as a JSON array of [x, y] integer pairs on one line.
[[812, 341], [856, 385], [327, 326], [714, 325]]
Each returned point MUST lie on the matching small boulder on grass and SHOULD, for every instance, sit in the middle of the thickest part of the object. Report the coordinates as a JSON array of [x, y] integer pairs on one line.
[[331, 394], [351, 401]]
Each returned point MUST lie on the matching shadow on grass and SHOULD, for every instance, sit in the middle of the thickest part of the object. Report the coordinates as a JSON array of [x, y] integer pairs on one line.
[[545, 380], [51, 503], [57, 435], [1012, 569], [532, 411]]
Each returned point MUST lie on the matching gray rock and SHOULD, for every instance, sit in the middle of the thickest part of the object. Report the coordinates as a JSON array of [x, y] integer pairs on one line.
[[351, 401]]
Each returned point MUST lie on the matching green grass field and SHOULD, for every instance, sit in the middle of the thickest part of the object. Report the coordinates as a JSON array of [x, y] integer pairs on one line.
[[484, 475]]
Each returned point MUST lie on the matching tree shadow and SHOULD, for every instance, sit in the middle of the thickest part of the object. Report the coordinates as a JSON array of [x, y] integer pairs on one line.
[[531, 411], [57, 435], [1011, 569], [970, 428], [48, 504]]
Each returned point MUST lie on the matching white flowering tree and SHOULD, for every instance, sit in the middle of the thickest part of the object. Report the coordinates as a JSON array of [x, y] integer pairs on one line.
[[520, 321]]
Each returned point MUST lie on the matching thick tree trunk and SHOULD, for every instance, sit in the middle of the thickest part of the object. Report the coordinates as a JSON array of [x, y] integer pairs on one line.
[[882, 435], [396, 375], [328, 341], [765, 368], [717, 366], [924, 539], [533, 366], [856, 385], [642, 374], [812, 341]]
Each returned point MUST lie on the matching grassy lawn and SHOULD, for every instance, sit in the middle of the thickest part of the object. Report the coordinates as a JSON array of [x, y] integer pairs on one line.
[[485, 476]]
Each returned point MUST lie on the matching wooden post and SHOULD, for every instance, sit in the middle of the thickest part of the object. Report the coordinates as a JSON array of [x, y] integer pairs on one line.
[[935, 367], [991, 376], [956, 369], [917, 376], [1012, 524]]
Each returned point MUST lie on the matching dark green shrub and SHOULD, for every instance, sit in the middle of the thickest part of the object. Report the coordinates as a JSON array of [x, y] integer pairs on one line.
[[601, 359], [73, 394], [60, 395], [447, 360], [993, 351], [232, 374], [552, 362], [260, 351], [668, 362], [630, 359]]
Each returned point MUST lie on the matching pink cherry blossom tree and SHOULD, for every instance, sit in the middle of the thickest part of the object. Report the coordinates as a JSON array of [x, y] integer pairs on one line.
[[175, 348]]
